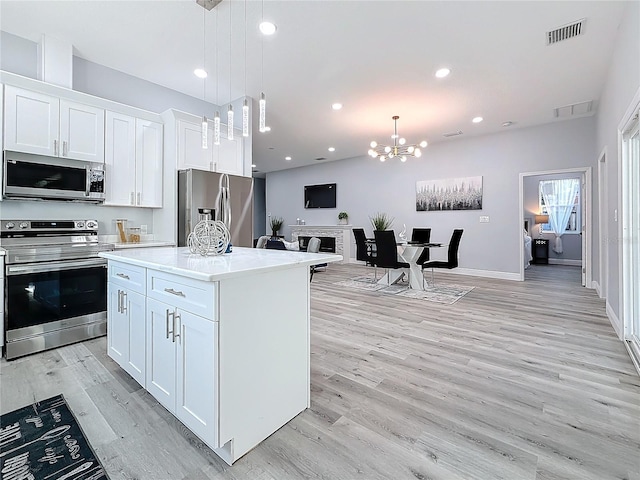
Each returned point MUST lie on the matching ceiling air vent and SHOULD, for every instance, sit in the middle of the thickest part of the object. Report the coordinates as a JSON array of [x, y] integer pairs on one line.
[[566, 32], [321, 158], [573, 110], [452, 134]]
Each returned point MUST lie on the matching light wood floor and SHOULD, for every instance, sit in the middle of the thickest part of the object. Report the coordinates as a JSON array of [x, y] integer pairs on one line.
[[516, 381]]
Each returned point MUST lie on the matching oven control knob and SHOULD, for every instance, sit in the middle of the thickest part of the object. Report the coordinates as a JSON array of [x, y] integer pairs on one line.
[[91, 224], [10, 225], [24, 225], [79, 224]]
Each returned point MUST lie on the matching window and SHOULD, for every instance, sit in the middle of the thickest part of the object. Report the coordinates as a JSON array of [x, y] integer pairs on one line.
[[573, 223]]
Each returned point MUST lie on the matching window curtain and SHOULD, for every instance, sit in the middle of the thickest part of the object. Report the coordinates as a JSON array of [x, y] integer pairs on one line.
[[559, 198]]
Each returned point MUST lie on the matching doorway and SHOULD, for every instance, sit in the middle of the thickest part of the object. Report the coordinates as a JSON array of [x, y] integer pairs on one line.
[[579, 240], [630, 230]]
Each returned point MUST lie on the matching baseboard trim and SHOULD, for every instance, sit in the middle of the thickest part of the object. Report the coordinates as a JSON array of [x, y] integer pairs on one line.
[[565, 261], [635, 356], [480, 273], [615, 321], [596, 286]]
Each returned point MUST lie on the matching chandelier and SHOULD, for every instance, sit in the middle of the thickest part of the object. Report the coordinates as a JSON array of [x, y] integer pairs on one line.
[[398, 149]]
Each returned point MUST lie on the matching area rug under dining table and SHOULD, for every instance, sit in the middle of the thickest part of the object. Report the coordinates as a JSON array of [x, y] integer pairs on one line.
[[44, 441], [445, 294]]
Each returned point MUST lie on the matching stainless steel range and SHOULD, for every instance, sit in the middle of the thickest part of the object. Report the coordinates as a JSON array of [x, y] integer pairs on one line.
[[55, 284]]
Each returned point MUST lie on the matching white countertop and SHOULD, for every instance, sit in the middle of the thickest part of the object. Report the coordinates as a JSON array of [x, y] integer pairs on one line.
[[242, 261], [3, 252]]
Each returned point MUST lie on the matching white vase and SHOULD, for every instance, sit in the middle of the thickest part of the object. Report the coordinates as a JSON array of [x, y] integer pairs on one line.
[[342, 221]]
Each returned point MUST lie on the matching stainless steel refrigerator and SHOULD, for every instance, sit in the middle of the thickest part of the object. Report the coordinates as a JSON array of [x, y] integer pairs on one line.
[[198, 190]]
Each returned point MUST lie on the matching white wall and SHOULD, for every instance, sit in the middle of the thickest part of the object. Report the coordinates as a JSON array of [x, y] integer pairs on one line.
[[366, 186], [571, 242], [623, 81]]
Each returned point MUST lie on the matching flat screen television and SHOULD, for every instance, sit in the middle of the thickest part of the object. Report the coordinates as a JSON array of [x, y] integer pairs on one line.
[[320, 196]]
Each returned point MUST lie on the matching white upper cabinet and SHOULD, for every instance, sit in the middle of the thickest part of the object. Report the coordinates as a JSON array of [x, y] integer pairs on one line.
[[120, 159], [32, 122], [133, 161], [224, 158], [45, 125], [149, 158], [190, 151], [81, 131], [230, 158]]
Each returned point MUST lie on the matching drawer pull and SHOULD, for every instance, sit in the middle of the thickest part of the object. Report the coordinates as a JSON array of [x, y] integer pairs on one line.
[[122, 275], [174, 292]]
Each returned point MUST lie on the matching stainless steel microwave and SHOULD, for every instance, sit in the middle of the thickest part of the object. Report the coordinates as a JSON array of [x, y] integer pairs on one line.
[[36, 177]]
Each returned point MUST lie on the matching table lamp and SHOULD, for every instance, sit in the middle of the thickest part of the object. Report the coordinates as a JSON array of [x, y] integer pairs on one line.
[[540, 219]]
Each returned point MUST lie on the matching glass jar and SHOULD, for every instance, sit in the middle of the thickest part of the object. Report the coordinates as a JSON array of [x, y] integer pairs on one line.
[[134, 235]]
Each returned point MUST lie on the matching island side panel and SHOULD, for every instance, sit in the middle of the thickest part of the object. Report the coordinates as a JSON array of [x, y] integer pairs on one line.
[[264, 354]]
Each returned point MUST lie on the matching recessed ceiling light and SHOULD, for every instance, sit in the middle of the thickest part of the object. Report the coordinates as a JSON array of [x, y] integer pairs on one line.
[[267, 28], [287, 158], [336, 106], [253, 165], [443, 72], [200, 73], [477, 119], [508, 124], [332, 149]]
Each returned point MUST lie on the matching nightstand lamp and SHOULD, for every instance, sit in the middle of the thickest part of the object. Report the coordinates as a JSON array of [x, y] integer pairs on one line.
[[540, 219]]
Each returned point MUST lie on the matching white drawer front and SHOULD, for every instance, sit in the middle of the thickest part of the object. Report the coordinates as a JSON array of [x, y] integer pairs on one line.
[[129, 276], [193, 296]]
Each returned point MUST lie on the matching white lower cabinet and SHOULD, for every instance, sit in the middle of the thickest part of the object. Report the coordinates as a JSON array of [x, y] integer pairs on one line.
[[182, 365], [126, 327]]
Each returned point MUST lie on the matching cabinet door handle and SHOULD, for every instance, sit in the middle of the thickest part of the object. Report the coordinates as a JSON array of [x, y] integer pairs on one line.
[[211, 166], [119, 301], [124, 302], [132, 201], [176, 317], [122, 275], [64, 148], [167, 315], [55, 147], [174, 292], [139, 196]]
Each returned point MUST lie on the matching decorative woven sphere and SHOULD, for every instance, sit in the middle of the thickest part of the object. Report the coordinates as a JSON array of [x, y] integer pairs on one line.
[[209, 238]]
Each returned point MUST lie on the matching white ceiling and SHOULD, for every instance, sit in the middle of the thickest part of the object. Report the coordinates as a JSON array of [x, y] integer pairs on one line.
[[378, 58]]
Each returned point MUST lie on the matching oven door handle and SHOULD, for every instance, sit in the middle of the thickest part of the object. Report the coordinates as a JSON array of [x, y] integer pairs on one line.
[[54, 266]]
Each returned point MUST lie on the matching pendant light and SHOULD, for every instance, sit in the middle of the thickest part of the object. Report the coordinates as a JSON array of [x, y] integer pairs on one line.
[[216, 119], [245, 104], [205, 123], [262, 119], [230, 110]]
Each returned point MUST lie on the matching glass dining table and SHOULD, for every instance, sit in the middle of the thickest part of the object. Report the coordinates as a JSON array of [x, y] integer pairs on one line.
[[408, 252]]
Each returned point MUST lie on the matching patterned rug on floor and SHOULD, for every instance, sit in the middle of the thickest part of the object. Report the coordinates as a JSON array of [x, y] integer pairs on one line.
[[44, 441], [445, 294]]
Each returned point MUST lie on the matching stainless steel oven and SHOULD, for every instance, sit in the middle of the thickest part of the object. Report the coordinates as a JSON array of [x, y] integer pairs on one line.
[[55, 284]]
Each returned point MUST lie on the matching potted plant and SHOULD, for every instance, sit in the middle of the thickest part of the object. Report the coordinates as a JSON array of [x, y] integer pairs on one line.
[[276, 225], [343, 218], [381, 221]]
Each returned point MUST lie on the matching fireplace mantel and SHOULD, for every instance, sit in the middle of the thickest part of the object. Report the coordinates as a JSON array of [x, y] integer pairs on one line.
[[342, 234]]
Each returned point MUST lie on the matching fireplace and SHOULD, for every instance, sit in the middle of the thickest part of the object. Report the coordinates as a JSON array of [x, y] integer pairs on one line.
[[333, 238], [327, 244]]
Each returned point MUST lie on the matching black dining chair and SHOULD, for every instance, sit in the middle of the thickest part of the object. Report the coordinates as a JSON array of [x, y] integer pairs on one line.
[[387, 251], [422, 235], [452, 257], [314, 247], [363, 252]]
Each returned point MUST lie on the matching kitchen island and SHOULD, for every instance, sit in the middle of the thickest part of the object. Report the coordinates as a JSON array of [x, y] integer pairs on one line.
[[222, 342]]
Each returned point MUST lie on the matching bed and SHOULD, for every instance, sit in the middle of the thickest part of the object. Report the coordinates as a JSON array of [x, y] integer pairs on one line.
[[527, 250]]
